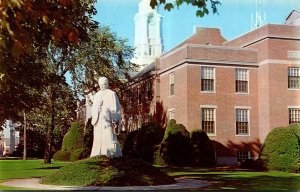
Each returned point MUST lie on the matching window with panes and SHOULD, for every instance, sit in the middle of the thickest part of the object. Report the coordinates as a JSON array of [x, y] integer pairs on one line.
[[139, 94], [241, 80], [148, 90], [242, 121], [294, 78], [171, 80], [131, 98], [207, 78], [243, 155], [294, 115], [208, 120]]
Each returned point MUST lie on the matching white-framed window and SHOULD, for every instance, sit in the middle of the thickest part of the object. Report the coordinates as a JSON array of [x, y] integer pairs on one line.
[[242, 121], [139, 94], [294, 115], [207, 79], [294, 78], [208, 120], [241, 80], [171, 83], [243, 155], [148, 90], [131, 98], [171, 114]]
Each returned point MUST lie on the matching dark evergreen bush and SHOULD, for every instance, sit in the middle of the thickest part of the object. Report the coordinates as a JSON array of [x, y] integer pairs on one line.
[[62, 156], [74, 137], [77, 154], [73, 145], [88, 135], [175, 148], [281, 150], [142, 143], [202, 150]]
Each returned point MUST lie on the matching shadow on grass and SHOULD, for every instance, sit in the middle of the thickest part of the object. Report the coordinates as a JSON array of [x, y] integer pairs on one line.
[[239, 179], [57, 167]]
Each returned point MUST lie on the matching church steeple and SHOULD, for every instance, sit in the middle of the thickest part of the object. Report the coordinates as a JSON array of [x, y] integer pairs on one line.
[[147, 42]]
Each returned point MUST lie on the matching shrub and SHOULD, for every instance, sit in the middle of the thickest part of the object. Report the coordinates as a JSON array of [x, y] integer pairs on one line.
[[281, 150], [142, 143], [88, 136], [202, 150], [77, 154], [248, 164], [62, 156], [175, 147], [73, 139]]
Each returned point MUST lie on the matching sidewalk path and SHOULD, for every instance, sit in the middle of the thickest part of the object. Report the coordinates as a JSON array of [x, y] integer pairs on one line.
[[33, 183]]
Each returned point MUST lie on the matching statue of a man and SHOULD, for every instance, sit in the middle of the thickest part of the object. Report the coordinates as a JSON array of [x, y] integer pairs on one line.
[[106, 119]]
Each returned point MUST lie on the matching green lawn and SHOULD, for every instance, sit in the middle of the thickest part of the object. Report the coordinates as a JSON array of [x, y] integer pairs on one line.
[[17, 169], [220, 180], [239, 179]]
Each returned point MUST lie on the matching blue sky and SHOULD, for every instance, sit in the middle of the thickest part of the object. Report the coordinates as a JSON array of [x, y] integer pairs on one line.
[[234, 18]]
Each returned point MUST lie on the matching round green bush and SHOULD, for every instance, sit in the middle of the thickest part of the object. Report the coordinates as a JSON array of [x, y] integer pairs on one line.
[[281, 150], [142, 143], [62, 156], [102, 171], [202, 149], [175, 148]]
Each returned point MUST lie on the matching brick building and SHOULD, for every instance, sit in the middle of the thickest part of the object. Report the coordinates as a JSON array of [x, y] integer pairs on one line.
[[236, 91]]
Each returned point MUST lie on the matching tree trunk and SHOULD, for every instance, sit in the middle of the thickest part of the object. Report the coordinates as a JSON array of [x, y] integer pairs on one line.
[[25, 138], [49, 134]]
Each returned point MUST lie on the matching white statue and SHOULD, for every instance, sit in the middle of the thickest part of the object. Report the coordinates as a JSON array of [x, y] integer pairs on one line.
[[106, 119]]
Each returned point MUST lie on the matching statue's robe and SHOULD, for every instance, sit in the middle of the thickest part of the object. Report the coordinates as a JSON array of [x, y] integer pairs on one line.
[[105, 110]]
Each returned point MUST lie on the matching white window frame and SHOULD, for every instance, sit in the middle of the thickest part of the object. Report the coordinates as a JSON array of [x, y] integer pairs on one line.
[[289, 112], [171, 111], [237, 78], [171, 82], [213, 78], [214, 107], [295, 72], [248, 118]]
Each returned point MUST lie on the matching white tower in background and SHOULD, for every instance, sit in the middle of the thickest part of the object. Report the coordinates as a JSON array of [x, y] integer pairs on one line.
[[258, 16], [147, 41]]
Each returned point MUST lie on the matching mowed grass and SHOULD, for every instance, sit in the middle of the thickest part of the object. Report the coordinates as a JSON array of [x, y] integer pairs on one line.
[[239, 179], [22, 169], [219, 179]]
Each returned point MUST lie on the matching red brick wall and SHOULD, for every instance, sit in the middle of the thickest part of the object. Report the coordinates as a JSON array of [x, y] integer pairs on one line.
[[179, 100], [225, 99]]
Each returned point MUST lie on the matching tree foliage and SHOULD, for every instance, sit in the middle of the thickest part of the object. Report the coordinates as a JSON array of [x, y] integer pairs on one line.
[[103, 55], [30, 31], [28, 24], [201, 5]]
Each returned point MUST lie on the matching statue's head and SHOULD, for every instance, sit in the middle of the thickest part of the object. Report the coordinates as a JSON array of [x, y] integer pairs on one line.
[[103, 83]]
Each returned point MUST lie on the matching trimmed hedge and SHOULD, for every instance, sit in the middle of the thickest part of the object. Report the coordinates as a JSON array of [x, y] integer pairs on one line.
[[175, 148], [281, 150], [142, 144], [203, 152], [77, 154], [74, 137], [62, 156], [73, 145]]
